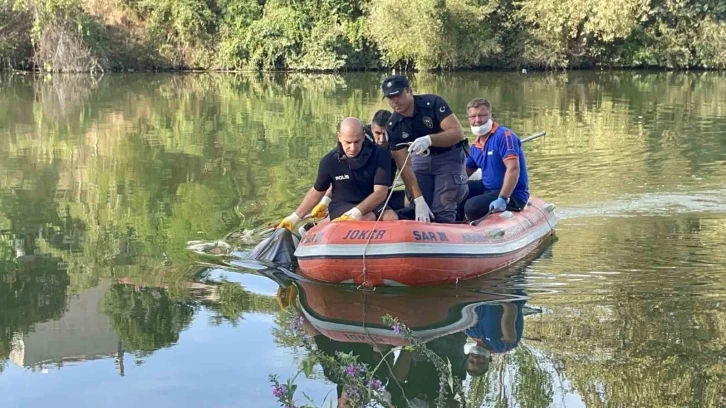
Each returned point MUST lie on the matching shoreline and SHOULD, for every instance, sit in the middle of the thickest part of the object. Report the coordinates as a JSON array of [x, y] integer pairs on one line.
[[523, 70]]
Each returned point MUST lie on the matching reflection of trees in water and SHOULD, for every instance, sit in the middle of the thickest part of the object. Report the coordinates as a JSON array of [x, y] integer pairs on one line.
[[32, 290], [652, 336], [232, 301], [33, 284], [237, 149], [659, 353], [522, 377], [146, 318]]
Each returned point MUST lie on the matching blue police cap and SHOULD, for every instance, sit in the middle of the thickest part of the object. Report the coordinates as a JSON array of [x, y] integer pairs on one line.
[[394, 85]]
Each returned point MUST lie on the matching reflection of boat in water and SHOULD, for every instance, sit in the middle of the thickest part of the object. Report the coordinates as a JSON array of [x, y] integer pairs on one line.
[[350, 315], [344, 319], [346, 313], [339, 322]]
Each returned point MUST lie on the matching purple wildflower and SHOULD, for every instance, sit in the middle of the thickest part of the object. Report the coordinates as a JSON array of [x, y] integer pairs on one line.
[[279, 391], [350, 370], [353, 393], [397, 328], [296, 324], [375, 385], [361, 368]]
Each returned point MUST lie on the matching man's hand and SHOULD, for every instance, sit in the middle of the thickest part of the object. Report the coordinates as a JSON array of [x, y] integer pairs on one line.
[[420, 145], [321, 210], [290, 222], [423, 212], [352, 215], [498, 205]]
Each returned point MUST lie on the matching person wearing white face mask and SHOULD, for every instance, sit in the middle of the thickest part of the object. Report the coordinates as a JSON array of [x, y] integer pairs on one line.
[[497, 151], [498, 330]]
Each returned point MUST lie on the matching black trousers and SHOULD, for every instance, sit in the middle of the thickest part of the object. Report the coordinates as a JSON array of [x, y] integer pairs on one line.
[[476, 204]]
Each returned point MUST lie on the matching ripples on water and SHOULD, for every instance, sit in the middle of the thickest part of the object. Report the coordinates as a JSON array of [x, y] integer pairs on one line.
[[103, 183]]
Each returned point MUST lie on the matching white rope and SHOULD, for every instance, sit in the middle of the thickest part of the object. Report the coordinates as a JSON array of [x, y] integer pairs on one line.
[[385, 204]]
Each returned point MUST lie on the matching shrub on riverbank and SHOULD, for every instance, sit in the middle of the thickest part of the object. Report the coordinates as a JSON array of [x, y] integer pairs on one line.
[[319, 35]]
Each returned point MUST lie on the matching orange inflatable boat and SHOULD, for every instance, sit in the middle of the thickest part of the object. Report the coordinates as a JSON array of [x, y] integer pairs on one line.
[[398, 253]]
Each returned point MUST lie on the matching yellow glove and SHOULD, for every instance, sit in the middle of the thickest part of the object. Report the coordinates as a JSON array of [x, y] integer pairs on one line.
[[290, 222], [352, 215], [344, 217], [321, 210]]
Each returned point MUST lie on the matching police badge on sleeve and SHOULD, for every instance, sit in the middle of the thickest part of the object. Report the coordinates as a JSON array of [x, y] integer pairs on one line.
[[428, 122]]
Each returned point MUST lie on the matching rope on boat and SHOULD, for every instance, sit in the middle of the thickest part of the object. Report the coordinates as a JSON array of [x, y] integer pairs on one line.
[[385, 204], [546, 217]]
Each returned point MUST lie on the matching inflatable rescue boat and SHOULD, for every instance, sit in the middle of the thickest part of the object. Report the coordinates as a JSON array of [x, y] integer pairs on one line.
[[398, 253]]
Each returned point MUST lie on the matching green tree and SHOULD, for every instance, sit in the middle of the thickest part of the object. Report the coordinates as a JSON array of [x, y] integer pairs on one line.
[[432, 34], [573, 32]]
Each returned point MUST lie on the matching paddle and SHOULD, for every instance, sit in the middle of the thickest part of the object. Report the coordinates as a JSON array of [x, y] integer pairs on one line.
[[525, 140], [533, 136]]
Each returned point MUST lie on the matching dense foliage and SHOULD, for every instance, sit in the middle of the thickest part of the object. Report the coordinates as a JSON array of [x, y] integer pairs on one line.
[[321, 35]]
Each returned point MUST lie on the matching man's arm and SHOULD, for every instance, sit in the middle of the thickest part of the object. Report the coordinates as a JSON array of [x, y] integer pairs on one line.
[[510, 177], [409, 179], [376, 198], [508, 323], [311, 199], [451, 133], [470, 164]]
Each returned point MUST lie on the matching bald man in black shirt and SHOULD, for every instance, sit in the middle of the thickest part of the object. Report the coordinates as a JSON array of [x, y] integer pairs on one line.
[[360, 174]]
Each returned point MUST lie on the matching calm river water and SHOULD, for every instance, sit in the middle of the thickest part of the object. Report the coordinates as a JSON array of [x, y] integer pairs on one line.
[[105, 180]]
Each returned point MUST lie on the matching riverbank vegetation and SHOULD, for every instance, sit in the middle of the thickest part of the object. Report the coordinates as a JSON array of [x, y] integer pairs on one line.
[[326, 35]]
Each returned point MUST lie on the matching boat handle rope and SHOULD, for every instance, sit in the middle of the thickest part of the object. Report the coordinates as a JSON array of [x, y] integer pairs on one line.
[[478, 220], [385, 204]]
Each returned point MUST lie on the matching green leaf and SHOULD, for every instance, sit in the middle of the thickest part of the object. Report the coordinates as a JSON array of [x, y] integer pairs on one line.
[[308, 366], [450, 378]]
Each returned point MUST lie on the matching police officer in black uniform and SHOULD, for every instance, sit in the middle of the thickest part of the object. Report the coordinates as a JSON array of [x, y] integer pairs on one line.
[[376, 131], [359, 172], [424, 127]]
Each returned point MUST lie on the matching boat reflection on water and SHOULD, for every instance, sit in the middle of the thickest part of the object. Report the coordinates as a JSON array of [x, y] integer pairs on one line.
[[460, 325], [352, 321], [419, 342]]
